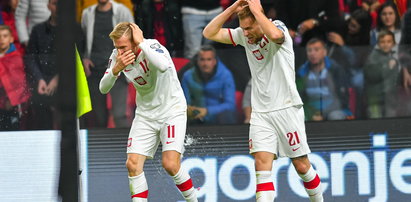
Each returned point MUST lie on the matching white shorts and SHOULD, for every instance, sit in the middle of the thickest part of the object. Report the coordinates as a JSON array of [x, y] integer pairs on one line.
[[145, 135], [280, 132]]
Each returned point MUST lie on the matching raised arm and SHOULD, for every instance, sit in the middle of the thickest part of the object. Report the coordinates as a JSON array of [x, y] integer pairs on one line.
[[269, 29], [215, 31], [155, 52]]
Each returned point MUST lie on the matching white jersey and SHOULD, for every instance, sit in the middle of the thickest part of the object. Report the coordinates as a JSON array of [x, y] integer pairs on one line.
[[159, 93], [272, 71]]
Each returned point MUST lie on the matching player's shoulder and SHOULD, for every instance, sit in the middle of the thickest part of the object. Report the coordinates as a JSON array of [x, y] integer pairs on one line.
[[156, 45], [279, 24]]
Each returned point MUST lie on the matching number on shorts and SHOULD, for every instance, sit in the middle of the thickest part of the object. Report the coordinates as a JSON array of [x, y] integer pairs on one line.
[[293, 138], [171, 131]]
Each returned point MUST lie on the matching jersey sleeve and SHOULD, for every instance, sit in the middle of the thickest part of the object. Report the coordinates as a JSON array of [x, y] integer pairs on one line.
[[108, 80], [236, 36], [281, 26], [157, 54]]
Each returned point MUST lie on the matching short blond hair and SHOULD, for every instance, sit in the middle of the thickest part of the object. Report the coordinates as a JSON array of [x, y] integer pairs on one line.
[[122, 28]]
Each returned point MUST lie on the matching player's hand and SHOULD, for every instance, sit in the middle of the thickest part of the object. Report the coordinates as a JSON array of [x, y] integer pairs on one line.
[[87, 64], [137, 34], [52, 86], [239, 5], [42, 87], [123, 60], [255, 6]]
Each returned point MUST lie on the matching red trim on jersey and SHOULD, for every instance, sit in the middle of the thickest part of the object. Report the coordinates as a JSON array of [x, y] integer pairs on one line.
[[138, 52], [269, 186], [265, 38], [231, 37], [185, 185], [143, 194], [313, 183]]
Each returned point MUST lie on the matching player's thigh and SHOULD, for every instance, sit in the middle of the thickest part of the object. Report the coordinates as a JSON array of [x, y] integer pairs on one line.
[[290, 127], [262, 137], [172, 133], [143, 138]]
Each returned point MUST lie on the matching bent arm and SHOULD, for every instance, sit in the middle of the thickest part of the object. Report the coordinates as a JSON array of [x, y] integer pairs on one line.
[[269, 29], [158, 56], [107, 82], [215, 31]]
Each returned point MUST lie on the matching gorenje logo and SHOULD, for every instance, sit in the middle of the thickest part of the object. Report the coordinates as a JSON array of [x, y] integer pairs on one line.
[[377, 174]]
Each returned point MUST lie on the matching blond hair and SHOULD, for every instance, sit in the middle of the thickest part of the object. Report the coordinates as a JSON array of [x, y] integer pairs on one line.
[[122, 28]]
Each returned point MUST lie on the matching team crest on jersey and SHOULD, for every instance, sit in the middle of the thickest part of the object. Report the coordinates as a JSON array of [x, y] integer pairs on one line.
[[156, 47], [140, 80], [258, 54]]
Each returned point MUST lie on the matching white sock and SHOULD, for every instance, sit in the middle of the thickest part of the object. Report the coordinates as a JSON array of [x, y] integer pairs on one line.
[[138, 188], [185, 185], [312, 184], [265, 187]]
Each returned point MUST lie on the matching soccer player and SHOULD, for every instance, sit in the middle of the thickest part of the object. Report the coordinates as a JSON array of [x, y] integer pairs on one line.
[[161, 107], [277, 121]]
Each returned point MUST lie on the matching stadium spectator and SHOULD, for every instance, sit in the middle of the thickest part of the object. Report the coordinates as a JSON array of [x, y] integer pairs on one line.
[[43, 75], [323, 84], [277, 107], [381, 74], [209, 89], [196, 15], [161, 111], [98, 48], [28, 14], [13, 87], [161, 20], [351, 50], [82, 4], [8, 9], [388, 19], [309, 18]]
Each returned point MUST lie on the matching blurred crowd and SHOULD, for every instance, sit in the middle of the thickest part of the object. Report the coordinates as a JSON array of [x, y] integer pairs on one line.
[[353, 59]]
